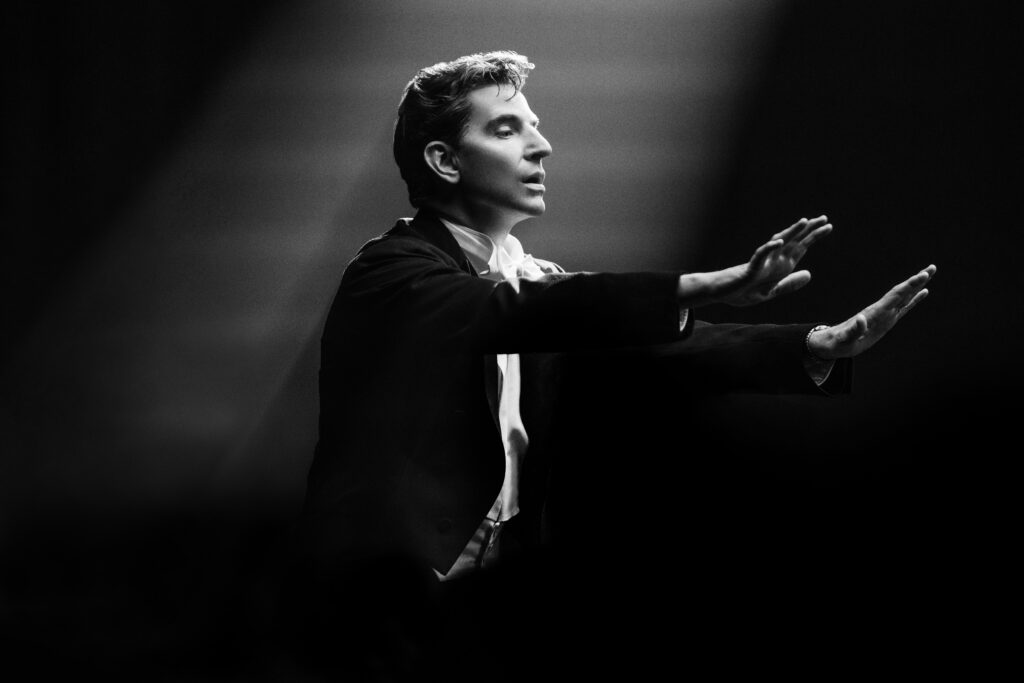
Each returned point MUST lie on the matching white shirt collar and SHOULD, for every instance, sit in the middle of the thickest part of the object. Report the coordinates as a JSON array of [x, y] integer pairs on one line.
[[486, 257]]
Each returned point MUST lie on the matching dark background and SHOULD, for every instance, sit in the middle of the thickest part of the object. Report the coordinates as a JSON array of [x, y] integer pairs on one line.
[[884, 507]]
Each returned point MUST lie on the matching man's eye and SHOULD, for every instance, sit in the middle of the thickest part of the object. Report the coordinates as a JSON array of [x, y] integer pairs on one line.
[[504, 132]]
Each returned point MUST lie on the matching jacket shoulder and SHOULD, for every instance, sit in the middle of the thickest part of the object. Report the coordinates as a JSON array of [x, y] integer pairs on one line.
[[399, 242], [394, 259]]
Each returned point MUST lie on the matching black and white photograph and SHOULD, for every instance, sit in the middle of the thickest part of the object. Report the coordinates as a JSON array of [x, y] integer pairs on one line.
[[534, 340]]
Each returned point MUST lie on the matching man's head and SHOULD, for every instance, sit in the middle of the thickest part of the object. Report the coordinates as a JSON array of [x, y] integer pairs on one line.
[[464, 128]]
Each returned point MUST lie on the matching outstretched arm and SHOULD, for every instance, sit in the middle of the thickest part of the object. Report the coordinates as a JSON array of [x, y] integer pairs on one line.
[[768, 274], [862, 331]]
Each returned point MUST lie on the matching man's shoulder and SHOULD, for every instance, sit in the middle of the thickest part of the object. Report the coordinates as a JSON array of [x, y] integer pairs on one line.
[[398, 242], [399, 237], [403, 252], [406, 238]]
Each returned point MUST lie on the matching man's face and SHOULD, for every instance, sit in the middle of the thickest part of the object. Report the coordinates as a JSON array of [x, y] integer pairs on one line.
[[499, 156]]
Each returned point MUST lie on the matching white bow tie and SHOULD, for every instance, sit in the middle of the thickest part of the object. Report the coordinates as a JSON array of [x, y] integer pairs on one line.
[[523, 267]]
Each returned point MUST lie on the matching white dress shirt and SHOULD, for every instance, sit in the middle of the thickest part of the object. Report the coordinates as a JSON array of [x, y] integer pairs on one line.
[[509, 263]]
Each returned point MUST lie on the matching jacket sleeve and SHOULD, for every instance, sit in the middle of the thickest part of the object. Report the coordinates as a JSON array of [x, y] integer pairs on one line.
[[724, 358], [415, 288]]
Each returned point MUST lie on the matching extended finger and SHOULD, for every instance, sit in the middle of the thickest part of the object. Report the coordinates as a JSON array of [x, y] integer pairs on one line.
[[788, 232], [816, 235], [900, 295], [913, 302], [790, 283], [805, 228]]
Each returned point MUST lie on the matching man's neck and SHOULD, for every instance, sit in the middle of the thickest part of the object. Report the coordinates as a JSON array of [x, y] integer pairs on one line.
[[495, 226]]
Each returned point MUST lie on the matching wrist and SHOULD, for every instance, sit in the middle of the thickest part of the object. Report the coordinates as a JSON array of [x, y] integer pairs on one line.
[[699, 289], [694, 290]]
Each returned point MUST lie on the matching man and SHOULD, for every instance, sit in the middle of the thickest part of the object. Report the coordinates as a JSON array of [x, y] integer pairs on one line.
[[441, 355]]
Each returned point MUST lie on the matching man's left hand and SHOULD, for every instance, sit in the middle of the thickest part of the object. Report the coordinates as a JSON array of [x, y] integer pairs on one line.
[[862, 331]]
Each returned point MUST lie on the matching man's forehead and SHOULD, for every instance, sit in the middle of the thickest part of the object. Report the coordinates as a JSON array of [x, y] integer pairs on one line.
[[492, 101]]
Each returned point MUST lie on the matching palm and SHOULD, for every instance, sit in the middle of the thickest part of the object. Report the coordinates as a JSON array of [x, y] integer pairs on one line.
[[769, 273], [862, 331]]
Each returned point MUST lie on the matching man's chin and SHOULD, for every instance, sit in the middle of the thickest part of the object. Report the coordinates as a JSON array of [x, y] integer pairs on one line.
[[535, 209], [524, 213]]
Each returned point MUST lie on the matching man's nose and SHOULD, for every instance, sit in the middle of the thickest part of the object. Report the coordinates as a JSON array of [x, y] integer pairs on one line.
[[539, 147]]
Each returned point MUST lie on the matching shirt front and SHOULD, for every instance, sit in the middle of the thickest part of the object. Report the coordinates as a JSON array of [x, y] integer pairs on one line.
[[505, 263]]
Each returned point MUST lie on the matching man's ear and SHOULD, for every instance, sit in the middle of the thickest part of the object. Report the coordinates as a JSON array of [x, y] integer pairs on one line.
[[441, 159]]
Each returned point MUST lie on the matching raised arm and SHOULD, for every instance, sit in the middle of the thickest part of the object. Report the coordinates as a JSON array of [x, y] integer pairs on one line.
[[768, 273]]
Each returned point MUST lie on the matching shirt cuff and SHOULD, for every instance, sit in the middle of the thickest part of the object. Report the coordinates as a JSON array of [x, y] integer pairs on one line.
[[684, 317], [818, 370]]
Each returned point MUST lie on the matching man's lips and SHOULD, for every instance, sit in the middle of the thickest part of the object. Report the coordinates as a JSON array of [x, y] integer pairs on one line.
[[535, 181]]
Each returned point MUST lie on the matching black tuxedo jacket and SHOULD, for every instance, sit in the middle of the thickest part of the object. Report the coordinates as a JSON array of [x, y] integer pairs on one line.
[[410, 458]]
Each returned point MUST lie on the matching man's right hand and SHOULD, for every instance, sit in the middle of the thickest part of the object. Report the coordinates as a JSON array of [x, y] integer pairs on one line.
[[768, 274]]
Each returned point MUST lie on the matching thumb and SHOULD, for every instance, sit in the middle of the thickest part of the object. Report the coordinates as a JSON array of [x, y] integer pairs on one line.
[[855, 329], [860, 326]]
